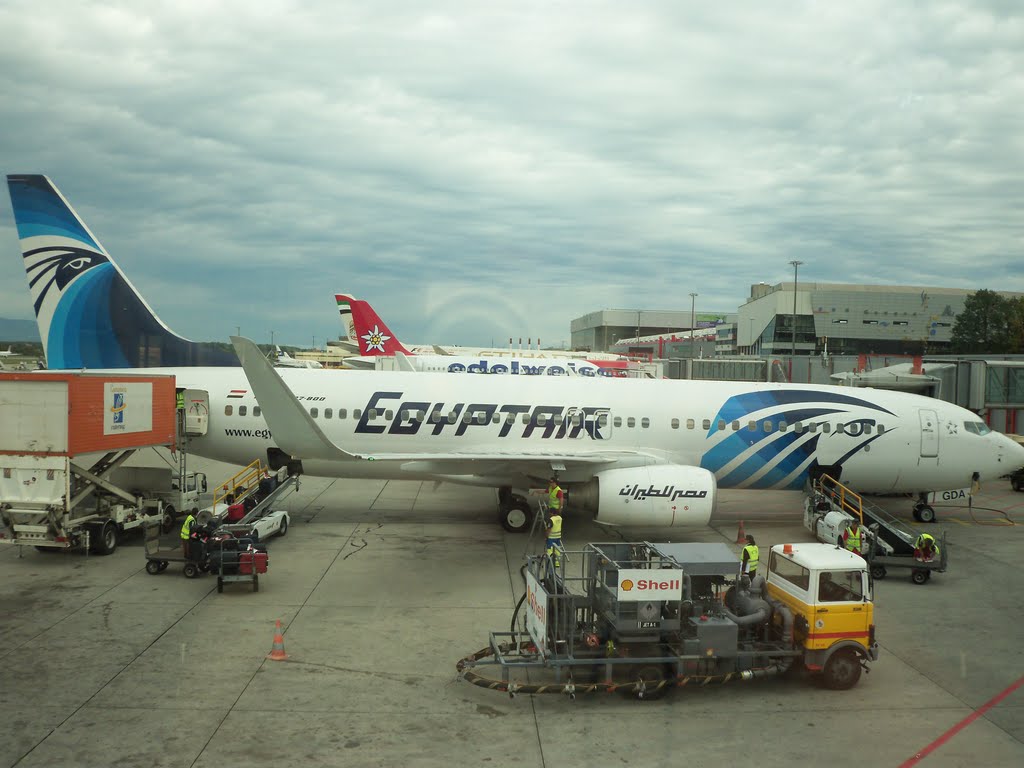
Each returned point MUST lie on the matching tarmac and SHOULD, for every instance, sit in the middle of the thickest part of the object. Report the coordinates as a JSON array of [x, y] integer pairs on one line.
[[381, 587]]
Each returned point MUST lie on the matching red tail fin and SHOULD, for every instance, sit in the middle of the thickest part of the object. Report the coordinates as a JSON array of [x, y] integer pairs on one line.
[[374, 337]]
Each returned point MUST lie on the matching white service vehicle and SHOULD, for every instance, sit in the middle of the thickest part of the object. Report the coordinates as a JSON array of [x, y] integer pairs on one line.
[[163, 483]]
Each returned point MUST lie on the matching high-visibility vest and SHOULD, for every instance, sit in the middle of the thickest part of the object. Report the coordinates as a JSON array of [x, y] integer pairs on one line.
[[555, 532], [752, 553], [853, 539], [553, 501], [186, 527], [926, 538]]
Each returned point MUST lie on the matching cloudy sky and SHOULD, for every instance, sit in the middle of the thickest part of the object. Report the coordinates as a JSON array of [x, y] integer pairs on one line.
[[486, 170]]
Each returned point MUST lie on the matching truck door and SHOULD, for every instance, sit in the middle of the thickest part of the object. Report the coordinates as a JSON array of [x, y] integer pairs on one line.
[[929, 433]]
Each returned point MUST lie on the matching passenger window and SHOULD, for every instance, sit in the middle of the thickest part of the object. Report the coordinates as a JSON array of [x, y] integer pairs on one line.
[[798, 428], [542, 419], [526, 418], [706, 424], [602, 420], [783, 426], [371, 414], [389, 414], [721, 425], [690, 424], [356, 413], [242, 410], [256, 410], [768, 426], [466, 418], [314, 412], [228, 410], [880, 428], [617, 422], [735, 426], [453, 417], [826, 428], [328, 412], [867, 429], [341, 413], [495, 419], [630, 422], [840, 429], [752, 426], [675, 423], [645, 422], [812, 427]]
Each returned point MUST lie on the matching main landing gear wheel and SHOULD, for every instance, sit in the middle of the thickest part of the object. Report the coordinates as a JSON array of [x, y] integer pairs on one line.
[[515, 515], [842, 670]]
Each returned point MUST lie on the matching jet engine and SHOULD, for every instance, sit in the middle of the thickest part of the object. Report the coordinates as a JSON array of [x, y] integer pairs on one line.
[[660, 495]]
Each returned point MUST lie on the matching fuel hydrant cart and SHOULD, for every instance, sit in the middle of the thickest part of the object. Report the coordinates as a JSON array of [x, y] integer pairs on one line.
[[642, 618]]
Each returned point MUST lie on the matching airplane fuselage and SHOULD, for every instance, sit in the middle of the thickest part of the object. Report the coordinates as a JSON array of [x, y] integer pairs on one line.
[[747, 435]]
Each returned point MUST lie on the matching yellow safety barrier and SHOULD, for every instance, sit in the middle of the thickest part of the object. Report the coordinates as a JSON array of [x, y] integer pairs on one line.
[[239, 485], [847, 500]]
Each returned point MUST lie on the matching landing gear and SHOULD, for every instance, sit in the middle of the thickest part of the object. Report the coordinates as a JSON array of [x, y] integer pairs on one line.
[[923, 511], [514, 511]]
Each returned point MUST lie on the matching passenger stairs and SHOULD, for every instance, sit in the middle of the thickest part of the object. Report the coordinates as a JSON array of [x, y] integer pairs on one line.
[[891, 529]]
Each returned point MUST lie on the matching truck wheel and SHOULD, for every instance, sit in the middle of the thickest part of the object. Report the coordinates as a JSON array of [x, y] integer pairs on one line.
[[920, 576], [842, 670], [105, 538], [191, 570], [878, 572], [152, 567], [515, 517], [168, 520], [284, 527]]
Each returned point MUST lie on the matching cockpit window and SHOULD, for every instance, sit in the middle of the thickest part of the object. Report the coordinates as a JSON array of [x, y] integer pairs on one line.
[[977, 427]]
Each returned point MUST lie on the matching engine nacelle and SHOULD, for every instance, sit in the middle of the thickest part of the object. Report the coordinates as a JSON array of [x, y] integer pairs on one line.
[[660, 495]]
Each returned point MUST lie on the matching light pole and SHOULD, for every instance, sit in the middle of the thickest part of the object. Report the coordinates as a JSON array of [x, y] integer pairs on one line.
[[796, 265], [638, 327], [693, 303]]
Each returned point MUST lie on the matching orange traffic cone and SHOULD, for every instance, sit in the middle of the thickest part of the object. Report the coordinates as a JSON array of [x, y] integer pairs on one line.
[[741, 535], [277, 652]]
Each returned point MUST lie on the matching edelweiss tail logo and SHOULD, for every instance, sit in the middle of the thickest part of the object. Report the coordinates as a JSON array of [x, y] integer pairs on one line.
[[375, 339]]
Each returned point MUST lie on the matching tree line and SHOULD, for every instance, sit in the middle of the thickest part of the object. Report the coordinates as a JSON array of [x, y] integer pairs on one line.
[[989, 324]]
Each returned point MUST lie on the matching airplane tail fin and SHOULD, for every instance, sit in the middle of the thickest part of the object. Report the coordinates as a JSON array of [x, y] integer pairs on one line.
[[89, 314], [373, 336], [345, 311]]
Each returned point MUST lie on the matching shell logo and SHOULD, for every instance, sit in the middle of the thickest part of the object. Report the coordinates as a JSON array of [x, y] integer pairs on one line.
[[627, 585]]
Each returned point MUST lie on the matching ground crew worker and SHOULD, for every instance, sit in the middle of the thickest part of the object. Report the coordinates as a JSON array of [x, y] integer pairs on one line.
[[186, 533], [749, 558], [925, 548], [556, 496], [554, 543], [852, 537]]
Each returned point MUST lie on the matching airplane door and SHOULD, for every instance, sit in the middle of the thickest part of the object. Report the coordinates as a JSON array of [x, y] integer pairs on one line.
[[929, 434], [197, 411]]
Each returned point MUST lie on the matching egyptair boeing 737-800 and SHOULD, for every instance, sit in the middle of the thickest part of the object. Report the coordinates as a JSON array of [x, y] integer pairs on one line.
[[641, 452]]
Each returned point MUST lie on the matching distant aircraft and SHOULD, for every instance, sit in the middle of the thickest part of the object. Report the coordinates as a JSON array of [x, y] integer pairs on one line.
[[633, 453], [379, 345], [7, 353], [284, 360], [376, 338], [903, 376]]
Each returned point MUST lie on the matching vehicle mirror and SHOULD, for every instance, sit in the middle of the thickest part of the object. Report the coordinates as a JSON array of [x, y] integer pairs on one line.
[[202, 483]]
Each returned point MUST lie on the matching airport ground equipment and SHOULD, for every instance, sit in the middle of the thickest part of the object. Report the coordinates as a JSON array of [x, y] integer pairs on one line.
[[237, 559], [160, 554], [165, 484], [641, 618], [54, 492], [258, 490], [890, 541]]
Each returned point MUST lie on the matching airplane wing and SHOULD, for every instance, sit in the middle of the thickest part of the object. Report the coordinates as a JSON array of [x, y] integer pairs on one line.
[[297, 434], [441, 351], [403, 362]]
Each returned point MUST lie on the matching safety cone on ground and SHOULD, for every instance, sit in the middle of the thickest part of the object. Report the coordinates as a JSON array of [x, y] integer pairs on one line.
[[741, 535], [277, 652]]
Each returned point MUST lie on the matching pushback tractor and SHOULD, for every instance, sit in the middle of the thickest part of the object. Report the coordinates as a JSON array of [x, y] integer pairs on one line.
[[642, 618]]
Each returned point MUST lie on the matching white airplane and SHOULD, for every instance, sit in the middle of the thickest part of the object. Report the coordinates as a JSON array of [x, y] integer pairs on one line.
[[378, 344], [284, 360], [638, 453], [7, 352]]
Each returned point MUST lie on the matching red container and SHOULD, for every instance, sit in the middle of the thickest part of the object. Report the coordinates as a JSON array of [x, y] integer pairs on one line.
[[246, 559], [66, 414]]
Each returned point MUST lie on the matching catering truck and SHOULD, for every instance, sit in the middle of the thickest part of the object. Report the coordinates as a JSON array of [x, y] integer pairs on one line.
[[63, 439]]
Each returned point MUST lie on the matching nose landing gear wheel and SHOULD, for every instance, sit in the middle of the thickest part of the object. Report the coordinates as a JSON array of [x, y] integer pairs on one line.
[[515, 516]]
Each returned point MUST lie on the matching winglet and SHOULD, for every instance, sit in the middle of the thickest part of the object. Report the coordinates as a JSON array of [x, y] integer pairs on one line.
[[293, 428], [403, 362]]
